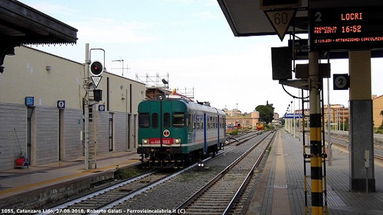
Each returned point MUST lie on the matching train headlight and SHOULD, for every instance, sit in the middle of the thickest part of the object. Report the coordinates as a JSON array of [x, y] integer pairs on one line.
[[145, 141], [178, 141]]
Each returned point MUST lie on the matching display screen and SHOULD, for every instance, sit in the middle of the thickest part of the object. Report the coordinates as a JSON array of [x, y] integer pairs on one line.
[[346, 28]]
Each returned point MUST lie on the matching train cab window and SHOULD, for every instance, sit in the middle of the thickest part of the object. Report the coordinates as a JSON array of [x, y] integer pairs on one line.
[[166, 120], [178, 119], [155, 120], [144, 120]]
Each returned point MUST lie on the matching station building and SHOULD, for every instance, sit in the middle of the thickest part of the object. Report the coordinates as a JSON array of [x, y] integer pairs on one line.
[[235, 117], [41, 109], [377, 111]]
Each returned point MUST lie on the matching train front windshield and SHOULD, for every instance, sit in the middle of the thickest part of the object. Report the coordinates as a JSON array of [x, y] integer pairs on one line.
[[178, 120], [144, 120]]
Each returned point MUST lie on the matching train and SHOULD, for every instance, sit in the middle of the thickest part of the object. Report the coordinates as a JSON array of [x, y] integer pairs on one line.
[[173, 130]]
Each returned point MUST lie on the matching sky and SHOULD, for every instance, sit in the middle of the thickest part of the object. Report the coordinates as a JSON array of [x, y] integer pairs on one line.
[[188, 39]]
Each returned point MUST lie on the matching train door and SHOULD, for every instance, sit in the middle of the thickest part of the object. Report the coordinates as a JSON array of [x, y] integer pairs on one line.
[[135, 130], [204, 134]]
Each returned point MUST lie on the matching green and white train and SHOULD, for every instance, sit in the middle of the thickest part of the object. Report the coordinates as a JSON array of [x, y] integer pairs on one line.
[[177, 129]]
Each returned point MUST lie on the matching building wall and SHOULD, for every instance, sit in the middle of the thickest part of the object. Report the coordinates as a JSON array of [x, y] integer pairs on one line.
[[73, 124], [45, 142], [26, 75], [13, 134], [50, 78], [246, 121], [377, 103]]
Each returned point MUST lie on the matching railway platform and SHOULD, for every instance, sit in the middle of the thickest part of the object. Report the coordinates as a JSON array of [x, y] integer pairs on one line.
[[46, 182], [281, 189]]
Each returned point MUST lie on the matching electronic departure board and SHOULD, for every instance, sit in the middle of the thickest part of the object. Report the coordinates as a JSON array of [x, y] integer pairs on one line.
[[346, 28]]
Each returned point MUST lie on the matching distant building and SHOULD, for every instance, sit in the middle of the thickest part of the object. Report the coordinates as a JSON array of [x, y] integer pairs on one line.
[[235, 117], [233, 112], [377, 108], [276, 116], [338, 115]]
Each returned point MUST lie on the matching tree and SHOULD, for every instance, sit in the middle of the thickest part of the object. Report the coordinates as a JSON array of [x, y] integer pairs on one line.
[[266, 112]]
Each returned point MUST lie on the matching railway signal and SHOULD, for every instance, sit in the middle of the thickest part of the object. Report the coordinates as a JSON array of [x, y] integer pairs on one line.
[[96, 68]]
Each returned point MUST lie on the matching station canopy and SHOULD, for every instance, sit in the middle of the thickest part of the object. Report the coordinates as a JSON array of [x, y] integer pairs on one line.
[[25, 25], [21, 24], [246, 18]]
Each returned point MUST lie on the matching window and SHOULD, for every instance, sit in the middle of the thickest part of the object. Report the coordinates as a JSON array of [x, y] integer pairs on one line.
[[155, 120], [144, 120], [178, 119], [166, 120]]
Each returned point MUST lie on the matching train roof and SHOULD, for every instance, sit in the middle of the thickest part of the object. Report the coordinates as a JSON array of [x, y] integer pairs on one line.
[[191, 106]]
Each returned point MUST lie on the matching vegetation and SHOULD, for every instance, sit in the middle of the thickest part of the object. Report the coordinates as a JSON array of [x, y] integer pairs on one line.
[[127, 173], [379, 130], [269, 127], [266, 112], [233, 132]]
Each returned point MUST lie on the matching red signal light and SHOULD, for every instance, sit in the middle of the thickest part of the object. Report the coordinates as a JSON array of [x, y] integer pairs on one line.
[[96, 68]]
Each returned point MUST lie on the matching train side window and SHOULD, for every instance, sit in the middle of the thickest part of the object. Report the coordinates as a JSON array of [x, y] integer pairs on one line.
[[178, 119], [189, 121], [155, 120], [166, 120], [144, 120]]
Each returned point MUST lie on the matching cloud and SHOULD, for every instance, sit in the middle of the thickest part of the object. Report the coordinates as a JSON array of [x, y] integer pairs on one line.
[[105, 30], [206, 15], [52, 9], [223, 80]]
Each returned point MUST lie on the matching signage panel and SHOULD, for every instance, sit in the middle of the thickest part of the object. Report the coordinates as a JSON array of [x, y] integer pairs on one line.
[[341, 81], [29, 101], [280, 20], [346, 28], [61, 104], [292, 115]]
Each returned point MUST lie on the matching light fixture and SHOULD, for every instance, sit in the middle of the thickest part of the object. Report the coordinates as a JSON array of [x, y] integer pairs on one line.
[[48, 68]]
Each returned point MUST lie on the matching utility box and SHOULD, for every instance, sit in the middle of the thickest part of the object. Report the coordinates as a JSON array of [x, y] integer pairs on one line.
[[281, 58]]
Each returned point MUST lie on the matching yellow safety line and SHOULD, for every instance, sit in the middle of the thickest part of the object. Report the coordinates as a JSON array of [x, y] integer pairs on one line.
[[62, 178]]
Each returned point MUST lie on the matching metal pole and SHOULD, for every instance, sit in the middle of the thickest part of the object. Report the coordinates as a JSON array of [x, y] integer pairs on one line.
[[294, 116], [86, 106], [315, 135], [329, 143]]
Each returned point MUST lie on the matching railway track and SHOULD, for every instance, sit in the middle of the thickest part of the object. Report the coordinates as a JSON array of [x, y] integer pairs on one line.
[[110, 197], [220, 195], [238, 140], [343, 142]]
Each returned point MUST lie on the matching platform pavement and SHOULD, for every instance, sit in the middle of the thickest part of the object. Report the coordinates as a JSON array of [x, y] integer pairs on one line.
[[17, 181], [281, 190]]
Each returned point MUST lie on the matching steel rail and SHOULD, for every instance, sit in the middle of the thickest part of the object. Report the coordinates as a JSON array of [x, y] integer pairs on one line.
[[92, 195], [139, 191], [126, 182], [247, 179], [202, 190]]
